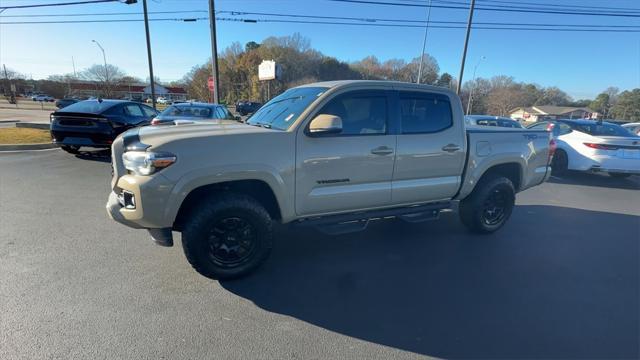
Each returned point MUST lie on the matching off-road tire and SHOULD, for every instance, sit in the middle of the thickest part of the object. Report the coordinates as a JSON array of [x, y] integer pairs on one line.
[[473, 209], [71, 149], [560, 162], [199, 228]]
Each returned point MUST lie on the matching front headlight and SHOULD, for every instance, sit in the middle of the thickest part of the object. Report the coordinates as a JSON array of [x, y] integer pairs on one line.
[[146, 163]]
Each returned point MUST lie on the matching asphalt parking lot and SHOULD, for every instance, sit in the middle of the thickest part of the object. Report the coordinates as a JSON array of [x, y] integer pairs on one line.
[[561, 280]]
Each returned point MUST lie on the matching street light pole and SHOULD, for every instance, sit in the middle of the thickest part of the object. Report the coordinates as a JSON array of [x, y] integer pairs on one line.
[[466, 44], [151, 79], [214, 52], [473, 85], [106, 68], [424, 44]]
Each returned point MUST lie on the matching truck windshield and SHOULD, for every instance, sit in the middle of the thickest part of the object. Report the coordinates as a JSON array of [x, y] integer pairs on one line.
[[284, 109]]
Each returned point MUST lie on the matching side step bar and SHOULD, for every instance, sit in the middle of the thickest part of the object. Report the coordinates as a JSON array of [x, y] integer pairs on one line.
[[358, 221]]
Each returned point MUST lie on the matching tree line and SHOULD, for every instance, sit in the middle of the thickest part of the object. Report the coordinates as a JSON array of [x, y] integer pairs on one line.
[[301, 64]]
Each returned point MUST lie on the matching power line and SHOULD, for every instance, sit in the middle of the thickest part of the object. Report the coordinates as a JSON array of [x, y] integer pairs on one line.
[[539, 6], [371, 20], [303, 16], [600, 8], [57, 4], [482, 27], [103, 14], [503, 9]]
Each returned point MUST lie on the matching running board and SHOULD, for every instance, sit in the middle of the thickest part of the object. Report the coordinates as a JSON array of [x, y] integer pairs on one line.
[[358, 221]]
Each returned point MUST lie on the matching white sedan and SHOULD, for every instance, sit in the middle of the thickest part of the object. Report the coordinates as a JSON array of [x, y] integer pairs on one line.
[[596, 146]]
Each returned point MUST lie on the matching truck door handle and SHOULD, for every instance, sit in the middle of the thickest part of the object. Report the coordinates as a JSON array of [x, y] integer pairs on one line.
[[451, 148], [382, 150]]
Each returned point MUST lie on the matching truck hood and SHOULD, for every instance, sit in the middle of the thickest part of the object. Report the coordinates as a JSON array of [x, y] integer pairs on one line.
[[155, 135]]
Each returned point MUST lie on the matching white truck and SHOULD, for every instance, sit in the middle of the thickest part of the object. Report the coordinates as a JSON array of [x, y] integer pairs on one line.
[[330, 155]]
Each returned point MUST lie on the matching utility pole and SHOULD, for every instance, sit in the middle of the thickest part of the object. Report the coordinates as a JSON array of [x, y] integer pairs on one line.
[[424, 44], [466, 44], [151, 79], [214, 52]]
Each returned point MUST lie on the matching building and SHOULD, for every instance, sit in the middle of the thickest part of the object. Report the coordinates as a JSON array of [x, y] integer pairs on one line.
[[550, 112], [139, 92]]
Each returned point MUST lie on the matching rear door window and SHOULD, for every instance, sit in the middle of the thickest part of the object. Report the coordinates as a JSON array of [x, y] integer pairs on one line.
[[133, 110], [425, 113]]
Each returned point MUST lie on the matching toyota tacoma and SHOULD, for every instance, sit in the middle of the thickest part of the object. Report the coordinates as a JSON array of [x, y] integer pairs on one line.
[[329, 155]]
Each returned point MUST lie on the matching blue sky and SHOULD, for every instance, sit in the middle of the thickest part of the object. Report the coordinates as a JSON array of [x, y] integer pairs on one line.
[[581, 63]]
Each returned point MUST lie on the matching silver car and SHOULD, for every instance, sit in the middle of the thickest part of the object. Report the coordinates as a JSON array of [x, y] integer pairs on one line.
[[192, 111]]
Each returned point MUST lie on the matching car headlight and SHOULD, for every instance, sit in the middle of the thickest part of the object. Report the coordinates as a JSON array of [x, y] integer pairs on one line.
[[147, 163]]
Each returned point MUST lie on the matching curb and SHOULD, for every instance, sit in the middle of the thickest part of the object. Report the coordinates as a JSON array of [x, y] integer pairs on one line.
[[33, 126], [21, 147], [9, 121]]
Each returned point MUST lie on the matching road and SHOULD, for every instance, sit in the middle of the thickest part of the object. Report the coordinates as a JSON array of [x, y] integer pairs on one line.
[[561, 280], [25, 115]]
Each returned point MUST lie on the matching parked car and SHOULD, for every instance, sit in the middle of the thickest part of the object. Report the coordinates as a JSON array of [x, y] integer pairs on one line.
[[192, 111], [162, 100], [247, 107], [595, 146], [633, 127], [487, 120], [45, 98], [330, 155], [65, 102], [96, 123]]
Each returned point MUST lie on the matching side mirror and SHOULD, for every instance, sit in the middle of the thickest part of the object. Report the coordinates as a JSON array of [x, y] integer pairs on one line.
[[325, 124]]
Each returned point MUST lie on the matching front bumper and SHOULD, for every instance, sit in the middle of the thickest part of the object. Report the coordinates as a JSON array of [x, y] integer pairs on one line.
[[142, 203]]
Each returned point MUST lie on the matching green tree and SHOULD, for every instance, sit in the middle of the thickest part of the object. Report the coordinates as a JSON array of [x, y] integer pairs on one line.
[[601, 104], [627, 106], [445, 80]]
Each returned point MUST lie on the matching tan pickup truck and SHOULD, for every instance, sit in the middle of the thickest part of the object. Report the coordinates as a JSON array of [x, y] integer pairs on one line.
[[330, 155]]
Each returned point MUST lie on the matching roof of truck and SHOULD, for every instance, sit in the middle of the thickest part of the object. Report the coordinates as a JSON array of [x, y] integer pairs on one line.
[[344, 83]]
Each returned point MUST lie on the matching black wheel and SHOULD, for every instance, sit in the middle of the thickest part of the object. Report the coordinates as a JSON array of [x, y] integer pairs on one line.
[[227, 236], [619, 175], [489, 206], [71, 149], [560, 163]]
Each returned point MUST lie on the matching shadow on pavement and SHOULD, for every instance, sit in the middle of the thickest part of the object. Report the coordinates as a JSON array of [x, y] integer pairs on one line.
[[600, 180], [528, 291], [96, 155]]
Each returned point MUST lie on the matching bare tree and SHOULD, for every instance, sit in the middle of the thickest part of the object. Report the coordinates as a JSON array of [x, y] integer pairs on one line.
[[104, 77]]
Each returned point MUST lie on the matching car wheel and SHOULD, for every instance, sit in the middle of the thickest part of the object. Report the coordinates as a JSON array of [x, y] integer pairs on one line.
[[619, 175], [489, 206], [227, 236], [560, 163], [71, 149]]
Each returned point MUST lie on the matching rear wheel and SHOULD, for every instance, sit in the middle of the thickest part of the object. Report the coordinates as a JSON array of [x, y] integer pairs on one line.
[[489, 206], [619, 175], [227, 236], [560, 163], [71, 149]]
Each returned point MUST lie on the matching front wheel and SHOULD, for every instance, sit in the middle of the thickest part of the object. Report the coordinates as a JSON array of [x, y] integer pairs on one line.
[[227, 236], [619, 175], [489, 206]]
